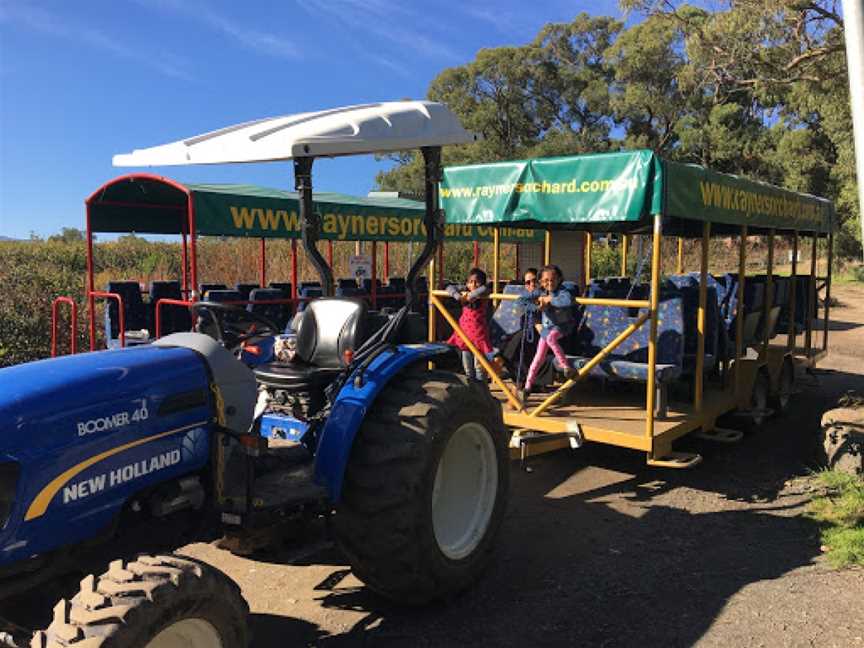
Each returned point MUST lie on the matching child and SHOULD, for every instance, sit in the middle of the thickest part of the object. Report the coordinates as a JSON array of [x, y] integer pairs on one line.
[[556, 321], [473, 322]]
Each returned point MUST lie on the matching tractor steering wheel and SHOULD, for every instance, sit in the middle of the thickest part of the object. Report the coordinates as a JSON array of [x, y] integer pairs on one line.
[[230, 325]]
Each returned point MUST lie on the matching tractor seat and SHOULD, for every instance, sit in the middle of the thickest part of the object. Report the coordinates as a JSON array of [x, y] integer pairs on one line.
[[328, 327]]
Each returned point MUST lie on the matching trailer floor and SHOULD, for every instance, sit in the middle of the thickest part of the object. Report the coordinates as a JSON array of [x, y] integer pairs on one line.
[[600, 550]]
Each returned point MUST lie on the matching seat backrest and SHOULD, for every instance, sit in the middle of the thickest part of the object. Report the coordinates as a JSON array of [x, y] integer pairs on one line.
[[284, 286], [367, 285], [172, 318], [397, 284], [276, 313], [346, 282], [134, 312], [328, 327], [602, 324], [245, 288], [308, 292], [207, 287], [222, 296], [507, 319], [310, 284]]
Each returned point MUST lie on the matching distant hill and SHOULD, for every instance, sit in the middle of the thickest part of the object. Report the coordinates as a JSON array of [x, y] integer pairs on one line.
[[6, 238]]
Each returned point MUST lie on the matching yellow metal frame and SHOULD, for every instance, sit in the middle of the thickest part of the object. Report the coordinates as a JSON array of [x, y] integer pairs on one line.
[[618, 425]]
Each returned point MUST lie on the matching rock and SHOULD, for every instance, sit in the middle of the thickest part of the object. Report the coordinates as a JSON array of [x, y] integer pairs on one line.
[[843, 440]]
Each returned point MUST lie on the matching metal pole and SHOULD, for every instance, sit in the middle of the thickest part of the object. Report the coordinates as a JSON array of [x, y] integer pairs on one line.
[[373, 292], [310, 222], [184, 260], [496, 259], [547, 247], [294, 286], [387, 261], [768, 302], [588, 241], [91, 302], [652, 340], [624, 241], [440, 265], [262, 259], [828, 291], [853, 27], [700, 317], [790, 342], [679, 264], [330, 254], [739, 310], [811, 298]]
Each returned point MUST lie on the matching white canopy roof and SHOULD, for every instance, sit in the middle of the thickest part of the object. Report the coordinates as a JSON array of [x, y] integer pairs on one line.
[[367, 128]]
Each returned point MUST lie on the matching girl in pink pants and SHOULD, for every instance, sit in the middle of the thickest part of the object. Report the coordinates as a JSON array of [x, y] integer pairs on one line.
[[556, 321]]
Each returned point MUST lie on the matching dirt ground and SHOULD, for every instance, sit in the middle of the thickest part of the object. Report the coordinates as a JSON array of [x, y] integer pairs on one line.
[[599, 550]]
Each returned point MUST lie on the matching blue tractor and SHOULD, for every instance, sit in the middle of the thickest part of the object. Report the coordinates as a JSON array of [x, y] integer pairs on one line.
[[412, 462]]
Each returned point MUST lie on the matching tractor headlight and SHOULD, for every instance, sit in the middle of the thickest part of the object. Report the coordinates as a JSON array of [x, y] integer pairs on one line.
[[9, 472]]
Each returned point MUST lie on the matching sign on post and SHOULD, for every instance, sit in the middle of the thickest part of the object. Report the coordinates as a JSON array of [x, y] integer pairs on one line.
[[360, 266]]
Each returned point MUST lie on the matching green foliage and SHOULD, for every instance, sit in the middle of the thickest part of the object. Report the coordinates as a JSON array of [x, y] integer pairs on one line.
[[841, 512], [605, 261], [757, 88]]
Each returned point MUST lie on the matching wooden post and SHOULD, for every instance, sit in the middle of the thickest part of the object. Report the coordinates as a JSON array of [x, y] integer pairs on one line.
[[652, 340], [790, 343], [700, 318]]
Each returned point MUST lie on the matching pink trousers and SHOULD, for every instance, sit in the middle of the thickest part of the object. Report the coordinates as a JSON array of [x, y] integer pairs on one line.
[[543, 346]]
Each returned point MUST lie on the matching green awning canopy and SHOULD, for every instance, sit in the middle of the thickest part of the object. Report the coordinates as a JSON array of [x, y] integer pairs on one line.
[[620, 192], [152, 205]]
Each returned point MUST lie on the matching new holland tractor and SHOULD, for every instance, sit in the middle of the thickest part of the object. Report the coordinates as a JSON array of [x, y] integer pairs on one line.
[[411, 461]]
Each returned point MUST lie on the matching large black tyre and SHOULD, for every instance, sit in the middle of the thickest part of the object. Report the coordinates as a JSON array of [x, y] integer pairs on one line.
[[408, 531], [140, 603]]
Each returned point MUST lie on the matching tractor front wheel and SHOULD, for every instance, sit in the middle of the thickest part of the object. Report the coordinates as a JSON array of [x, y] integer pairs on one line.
[[425, 488], [151, 602]]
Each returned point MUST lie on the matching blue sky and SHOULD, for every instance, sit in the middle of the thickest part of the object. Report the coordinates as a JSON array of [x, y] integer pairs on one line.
[[83, 80]]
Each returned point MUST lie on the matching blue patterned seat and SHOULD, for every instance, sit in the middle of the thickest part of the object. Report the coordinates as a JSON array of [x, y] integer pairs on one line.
[[507, 319], [629, 361], [688, 286]]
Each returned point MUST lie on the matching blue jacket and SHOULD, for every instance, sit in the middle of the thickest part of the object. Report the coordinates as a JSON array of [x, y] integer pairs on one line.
[[559, 313]]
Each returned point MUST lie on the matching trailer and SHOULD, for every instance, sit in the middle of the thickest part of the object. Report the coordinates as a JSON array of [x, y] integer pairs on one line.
[[703, 346]]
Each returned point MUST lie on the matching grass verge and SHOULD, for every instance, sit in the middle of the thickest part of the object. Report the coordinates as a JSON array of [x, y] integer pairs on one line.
[[840, 511]]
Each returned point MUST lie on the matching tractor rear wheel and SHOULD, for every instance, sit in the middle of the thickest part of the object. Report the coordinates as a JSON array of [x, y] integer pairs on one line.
[[425, 488], [151, 602]]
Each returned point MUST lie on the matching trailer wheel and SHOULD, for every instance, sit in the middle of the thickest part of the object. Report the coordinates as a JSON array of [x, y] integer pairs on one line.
[[425, 487], [151, 602], [781, 399]]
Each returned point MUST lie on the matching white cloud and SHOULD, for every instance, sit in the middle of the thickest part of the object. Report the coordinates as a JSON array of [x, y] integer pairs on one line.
[[386, 21], [43, 21], [263, 42]]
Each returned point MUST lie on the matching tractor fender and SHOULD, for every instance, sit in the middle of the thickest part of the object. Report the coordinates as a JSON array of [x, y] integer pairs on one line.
[[349, 411]]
